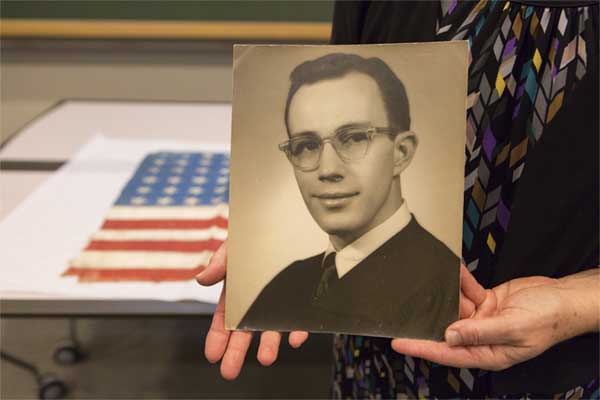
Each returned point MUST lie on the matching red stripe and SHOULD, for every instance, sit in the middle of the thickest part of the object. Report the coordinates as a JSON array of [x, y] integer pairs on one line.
[[165, 224], [155, 245], [133, 274]]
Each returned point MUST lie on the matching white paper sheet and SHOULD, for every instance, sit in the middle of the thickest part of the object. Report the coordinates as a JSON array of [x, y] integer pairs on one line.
[[53, 224]]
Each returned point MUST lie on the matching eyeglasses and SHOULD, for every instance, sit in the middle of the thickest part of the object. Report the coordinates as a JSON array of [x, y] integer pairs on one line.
[[350, 144]]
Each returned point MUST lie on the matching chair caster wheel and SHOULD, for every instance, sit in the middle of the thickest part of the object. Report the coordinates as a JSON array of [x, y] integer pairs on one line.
[[67, 353], [51, 387]]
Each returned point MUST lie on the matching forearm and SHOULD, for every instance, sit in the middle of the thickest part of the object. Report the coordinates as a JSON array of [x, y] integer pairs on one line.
[[580, 293]]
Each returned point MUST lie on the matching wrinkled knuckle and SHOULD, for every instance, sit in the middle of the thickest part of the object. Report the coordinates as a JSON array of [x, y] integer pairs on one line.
[[471, 336], [443, 359]]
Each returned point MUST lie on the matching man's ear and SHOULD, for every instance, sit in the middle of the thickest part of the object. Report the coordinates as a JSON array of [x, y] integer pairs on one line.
[[405, 145]]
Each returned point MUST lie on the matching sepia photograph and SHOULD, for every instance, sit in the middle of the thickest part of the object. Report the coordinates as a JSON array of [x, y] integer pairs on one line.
[[346, 191]]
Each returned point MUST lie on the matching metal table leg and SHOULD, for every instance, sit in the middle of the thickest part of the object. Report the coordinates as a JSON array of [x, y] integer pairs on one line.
[[49, 386]]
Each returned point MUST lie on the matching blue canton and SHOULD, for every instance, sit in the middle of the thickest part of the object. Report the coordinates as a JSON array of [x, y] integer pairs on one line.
[[179, 179]]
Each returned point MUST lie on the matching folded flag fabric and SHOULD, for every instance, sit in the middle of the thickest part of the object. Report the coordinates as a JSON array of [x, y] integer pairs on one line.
[[166, 223]]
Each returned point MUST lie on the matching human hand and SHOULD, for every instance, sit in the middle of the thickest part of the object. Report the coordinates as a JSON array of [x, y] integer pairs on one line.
[[231, 346], [510, 323]]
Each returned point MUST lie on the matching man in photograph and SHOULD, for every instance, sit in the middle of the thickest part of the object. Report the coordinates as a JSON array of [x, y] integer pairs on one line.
[[382, 274]]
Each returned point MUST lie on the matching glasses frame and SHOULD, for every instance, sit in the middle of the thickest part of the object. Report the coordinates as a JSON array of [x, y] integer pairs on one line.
[[369, 130]]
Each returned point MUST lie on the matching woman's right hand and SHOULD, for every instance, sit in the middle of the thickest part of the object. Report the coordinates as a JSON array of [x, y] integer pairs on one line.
[[231, 346]]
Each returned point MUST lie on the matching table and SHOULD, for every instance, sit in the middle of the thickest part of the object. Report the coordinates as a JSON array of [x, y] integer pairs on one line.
[[30, 157]]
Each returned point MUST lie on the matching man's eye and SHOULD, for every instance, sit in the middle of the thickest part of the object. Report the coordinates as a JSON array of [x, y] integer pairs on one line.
[[353, 137], [304, 146]]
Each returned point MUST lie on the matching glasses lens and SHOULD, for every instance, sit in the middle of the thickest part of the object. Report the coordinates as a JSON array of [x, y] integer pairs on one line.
[[304, 151], [352, 144]]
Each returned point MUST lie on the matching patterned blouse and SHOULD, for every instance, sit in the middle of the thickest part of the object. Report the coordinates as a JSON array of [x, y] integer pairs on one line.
[[531, 179]]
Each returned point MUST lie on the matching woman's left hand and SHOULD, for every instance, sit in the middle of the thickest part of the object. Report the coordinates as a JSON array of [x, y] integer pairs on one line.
[[512, 322]]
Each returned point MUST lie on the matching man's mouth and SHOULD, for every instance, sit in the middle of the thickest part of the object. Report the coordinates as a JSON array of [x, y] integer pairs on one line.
[[335, 195], [335, 200]]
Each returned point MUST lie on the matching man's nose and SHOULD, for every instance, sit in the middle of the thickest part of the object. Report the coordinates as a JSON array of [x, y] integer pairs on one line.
[[330, 166]]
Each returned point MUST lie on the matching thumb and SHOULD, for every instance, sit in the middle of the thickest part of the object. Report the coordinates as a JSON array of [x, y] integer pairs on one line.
[[475, 332], [216, 269]]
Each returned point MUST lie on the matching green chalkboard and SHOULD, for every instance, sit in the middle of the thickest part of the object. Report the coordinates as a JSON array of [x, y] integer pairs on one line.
[[174, 10]]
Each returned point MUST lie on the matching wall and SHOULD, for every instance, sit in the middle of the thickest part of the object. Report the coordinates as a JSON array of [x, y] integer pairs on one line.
[[34, 75]]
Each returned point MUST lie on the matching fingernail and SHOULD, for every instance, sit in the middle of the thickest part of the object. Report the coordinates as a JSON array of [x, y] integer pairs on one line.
[[453, 338], [199, 276]]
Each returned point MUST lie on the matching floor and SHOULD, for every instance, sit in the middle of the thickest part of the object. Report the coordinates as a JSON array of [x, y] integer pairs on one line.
[[155, 358]]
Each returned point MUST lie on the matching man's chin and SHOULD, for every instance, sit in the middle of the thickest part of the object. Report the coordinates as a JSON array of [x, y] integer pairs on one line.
[[343, 231]]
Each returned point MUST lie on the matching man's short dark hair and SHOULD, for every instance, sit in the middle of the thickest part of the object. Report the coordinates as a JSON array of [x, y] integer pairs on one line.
[[336, 65]]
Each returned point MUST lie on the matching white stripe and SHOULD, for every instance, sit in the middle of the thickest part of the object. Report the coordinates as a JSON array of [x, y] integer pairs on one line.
[[139, 259], [467, 378], [410, 362], [177, 212], [161, 234]]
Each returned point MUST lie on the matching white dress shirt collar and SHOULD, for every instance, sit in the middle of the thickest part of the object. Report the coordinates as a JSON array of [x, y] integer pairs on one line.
[[361, 248]]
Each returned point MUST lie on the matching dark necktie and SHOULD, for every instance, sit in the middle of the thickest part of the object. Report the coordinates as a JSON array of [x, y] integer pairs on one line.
[[328, 275]]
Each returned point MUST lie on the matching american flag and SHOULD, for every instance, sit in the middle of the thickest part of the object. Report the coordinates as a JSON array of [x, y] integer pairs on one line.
[[166, 223]]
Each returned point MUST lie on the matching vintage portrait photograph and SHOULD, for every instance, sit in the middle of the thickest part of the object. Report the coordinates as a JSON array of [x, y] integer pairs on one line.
[[346, 191]]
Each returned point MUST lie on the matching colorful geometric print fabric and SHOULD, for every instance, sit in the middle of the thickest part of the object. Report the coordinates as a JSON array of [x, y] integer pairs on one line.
[[367, 367], [525, 62]]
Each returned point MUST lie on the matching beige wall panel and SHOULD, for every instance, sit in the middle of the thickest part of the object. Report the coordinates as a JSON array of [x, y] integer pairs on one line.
[[33, 80]]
